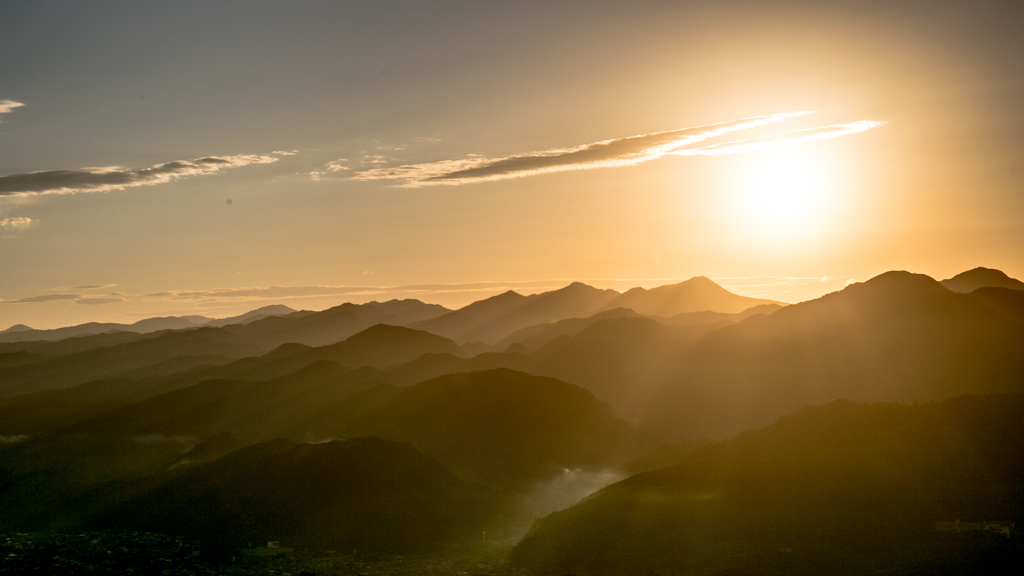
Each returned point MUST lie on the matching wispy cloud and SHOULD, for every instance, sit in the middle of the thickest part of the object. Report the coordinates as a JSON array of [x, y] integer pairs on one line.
[[341, 293], [607, 153], [7, 105], [784, 139], [117, 178], [16, 224], [43, 298], [331, 169], [96, 301], [67, 297]]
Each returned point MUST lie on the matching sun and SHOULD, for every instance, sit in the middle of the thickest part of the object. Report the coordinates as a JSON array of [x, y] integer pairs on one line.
[[783, 194]]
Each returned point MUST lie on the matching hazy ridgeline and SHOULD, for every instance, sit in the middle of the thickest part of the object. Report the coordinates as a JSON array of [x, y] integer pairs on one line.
[[403, 427]]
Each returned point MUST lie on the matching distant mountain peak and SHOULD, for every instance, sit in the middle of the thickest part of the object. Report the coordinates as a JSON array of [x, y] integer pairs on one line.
[[273, 309], [18, 328], [387, 332], [703, 280], [577, 285], [900, 281], [252, 315], [981, 277], [698, 294]]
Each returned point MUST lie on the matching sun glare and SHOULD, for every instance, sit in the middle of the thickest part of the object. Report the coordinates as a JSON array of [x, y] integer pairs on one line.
[[783, 194]]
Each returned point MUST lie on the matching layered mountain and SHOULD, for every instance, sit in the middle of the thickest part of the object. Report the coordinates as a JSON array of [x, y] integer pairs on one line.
[[252, 411], [21, 333], [73, 344], [1006, 301], [397, 349], [841, 488], [335, 324], [182, 349], [35, 366], [898, 336], [698, 294], [981, 278], [472, 317], [503, 428], [496, 317], [508, 429], [499, 317], [366, 494], [266, 327], [533, 337], [619, 360], [251, 316]]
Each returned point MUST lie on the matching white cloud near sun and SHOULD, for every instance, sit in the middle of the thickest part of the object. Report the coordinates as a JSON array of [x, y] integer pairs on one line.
[[615, 152], [784, 139]]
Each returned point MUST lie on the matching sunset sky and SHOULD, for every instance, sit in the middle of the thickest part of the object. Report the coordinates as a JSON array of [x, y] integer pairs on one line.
[[210, 158]]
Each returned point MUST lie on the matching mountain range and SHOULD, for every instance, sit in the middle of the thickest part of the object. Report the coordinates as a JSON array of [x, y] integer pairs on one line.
[[22, 333], [248, 431]]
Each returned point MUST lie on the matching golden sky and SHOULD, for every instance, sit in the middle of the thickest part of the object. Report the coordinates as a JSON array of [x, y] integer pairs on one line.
[[209, 159]]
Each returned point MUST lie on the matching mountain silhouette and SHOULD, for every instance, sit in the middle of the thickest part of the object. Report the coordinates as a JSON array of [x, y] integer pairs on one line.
[[430, 366], [698, 294], [1006, 301], [380, 346], [896, 337], [191, 348], [492, 319], [251, 316], [72, 344], [616, 359], [496, 319], [149, 325], [500, 427], [334, 324], [840, 488], [470, 317], [248, 410], [981, 278], [534, 337]]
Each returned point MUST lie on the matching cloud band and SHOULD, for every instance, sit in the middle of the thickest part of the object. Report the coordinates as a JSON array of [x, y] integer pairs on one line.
[[779, 140], [116, 178], [607, 153]]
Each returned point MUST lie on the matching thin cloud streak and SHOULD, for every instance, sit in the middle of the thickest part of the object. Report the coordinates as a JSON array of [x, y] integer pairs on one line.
[[627, 151], [293, 292], [43, 298], [117, 178], [608, 153], [779, 140], [98, 301]]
